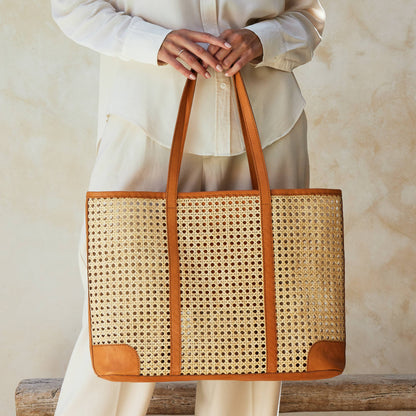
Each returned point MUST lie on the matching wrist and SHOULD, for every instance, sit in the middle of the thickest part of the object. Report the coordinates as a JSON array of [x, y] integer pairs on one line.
[[257, 47]]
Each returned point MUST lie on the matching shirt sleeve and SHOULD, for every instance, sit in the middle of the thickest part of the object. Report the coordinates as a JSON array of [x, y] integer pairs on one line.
[[289, 40], [97, 25]]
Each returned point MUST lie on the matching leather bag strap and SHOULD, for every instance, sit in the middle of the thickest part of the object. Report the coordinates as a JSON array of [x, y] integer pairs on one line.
[[257, 165], [260, 182]]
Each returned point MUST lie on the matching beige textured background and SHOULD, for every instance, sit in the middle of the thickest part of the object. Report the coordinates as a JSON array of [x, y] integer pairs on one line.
[[360, 89]]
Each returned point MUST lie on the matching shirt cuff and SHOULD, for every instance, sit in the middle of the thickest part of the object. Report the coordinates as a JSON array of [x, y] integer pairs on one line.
[[271, 38], [143, 41]]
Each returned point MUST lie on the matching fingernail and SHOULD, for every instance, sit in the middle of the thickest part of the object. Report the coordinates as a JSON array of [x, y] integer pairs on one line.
[[219, 67], [227, 45], [227, 74], [207, 75], [192, 76]]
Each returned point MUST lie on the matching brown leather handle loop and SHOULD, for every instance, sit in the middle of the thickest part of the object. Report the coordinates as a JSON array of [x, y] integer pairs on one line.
[[257, 165]]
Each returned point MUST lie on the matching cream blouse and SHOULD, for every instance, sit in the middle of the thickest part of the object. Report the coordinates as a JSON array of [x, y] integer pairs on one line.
[[128, 35]]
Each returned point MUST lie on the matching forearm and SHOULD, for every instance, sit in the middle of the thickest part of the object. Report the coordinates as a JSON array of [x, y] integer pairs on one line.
[[289, 40], [97, 25]]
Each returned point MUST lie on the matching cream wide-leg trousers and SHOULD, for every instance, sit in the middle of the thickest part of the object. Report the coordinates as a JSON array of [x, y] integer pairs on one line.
[[127, 160]]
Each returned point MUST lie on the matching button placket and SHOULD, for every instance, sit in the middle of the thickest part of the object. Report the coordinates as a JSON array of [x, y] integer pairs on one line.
[[222, 133], [222, 115], [209, 16]]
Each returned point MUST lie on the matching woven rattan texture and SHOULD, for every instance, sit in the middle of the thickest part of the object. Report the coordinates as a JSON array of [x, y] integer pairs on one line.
[[221, 285], [129, 278], [222, 308], [309, 275]]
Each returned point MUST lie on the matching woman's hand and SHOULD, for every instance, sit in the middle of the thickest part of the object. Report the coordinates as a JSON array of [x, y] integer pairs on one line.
[[183, 42], [246, 46]]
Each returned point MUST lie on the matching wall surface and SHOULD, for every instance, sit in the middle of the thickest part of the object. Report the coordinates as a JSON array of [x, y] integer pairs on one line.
[[361, 95]]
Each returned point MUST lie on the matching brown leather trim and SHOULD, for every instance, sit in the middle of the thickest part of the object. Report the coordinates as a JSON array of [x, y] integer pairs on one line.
[[310, 375], [255, 155], [115, 359], [208, 194], [125, 194], [309, 191], [327, 355], [175, 159], [237, 84]]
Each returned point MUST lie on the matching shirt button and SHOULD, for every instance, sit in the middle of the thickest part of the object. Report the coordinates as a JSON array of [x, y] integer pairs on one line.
[[223, 85]]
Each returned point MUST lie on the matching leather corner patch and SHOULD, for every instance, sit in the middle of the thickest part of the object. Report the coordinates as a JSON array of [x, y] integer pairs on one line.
[[115, 359], [327, 355]]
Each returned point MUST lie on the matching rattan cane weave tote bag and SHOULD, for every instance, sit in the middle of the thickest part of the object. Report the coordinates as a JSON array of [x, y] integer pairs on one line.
[[238, 284]]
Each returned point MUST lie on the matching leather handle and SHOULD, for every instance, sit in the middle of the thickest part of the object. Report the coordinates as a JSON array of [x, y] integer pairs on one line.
[[257, 165], [260, 181]]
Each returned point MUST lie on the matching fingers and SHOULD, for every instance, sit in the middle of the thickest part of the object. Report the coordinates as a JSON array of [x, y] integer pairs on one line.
[[172, 49], [192, 53], [189, 39], [212, 49], [171, 60], [208, 38], [237, 66], [233, 49], [221, 53], [246, 46]]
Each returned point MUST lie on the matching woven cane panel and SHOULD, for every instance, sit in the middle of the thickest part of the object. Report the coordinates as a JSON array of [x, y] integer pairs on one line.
[[223, 324], [309, 273], [129, 278], [222, 310]]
